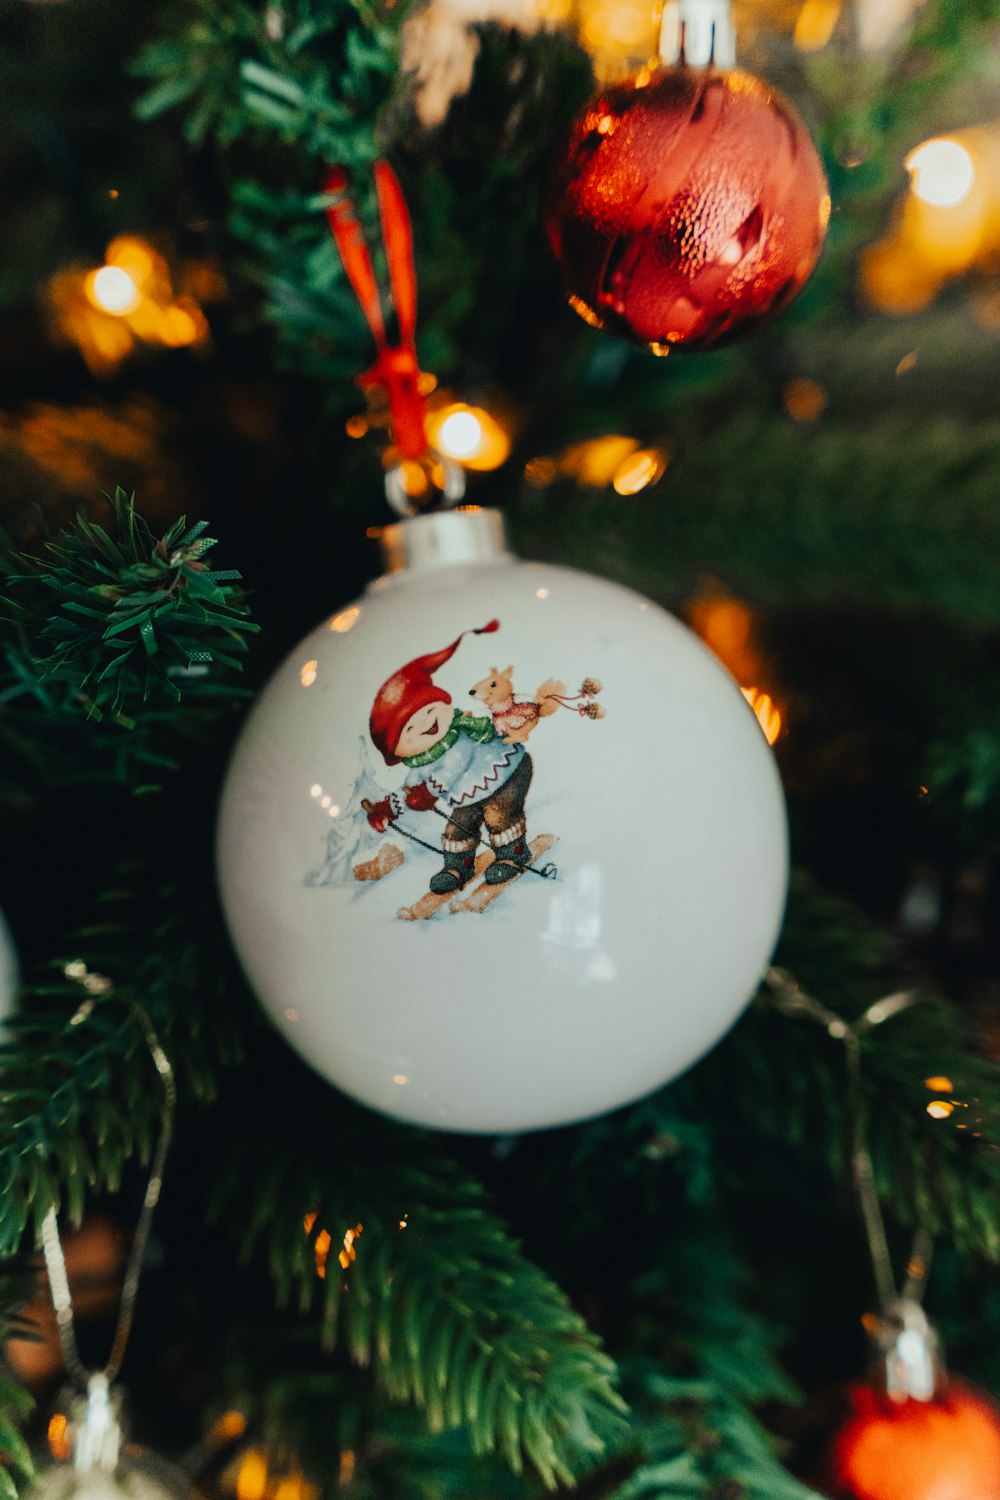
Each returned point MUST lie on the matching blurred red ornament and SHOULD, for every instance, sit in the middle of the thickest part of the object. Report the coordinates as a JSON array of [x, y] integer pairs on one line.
[[690, 207], [947, 1448]]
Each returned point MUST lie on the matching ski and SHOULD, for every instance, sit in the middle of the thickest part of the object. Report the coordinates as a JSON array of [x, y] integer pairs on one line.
[[483, 895], [430, 903], [388, 858]]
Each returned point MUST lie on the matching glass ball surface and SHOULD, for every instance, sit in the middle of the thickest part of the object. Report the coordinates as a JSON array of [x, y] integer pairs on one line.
[[551, 996], [688, 207]]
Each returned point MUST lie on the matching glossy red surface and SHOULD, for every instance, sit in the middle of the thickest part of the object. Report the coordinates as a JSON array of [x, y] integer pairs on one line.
[[690, 206], [945, 1449]]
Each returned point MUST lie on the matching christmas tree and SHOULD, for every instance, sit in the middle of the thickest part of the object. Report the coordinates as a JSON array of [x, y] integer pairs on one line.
[[664, 1302]]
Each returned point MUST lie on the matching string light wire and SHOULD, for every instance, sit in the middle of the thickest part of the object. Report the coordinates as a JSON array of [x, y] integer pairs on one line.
[[788, 996], [55, 1261]]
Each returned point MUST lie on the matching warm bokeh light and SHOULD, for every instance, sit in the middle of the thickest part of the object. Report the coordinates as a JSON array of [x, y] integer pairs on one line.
[[942, 173], [540, 472], [894, 280], [619, 34], [725, 626], [58, 1437], [113, 290], [767, 711], [816, 23], [294, 1486], [597, 462], [641, 469], [940, 1109], [804, 400], [945, 226], [181, 324], [468, 434], [308, 673], [132, 299], [321, 1245], [461, 434], [232, 1424], [349, 1254], [251, 1478], [939, 1084]]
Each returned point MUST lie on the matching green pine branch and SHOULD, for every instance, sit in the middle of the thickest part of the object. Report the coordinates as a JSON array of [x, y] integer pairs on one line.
[[899, 515], [421, 1281], [80, 1096], [785, 1079], [16, 1463], [699, 1443], [117, 627], [316, 72]]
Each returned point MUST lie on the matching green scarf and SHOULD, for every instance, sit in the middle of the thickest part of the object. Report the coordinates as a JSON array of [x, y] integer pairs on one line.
[[480, 730]]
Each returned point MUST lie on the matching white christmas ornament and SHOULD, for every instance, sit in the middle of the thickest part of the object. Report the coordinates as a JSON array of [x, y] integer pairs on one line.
[[501, 846]]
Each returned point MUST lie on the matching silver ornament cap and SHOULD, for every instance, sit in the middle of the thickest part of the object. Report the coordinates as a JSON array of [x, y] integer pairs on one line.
[[910, 1351], [699, 33]]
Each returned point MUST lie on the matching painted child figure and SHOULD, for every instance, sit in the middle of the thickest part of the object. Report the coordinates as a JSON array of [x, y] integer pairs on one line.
[[455, 760]]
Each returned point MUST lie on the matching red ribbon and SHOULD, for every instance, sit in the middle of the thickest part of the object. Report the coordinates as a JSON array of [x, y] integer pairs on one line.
[[395, 369]]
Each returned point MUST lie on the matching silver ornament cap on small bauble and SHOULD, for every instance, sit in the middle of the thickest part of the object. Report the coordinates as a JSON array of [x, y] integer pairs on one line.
[[501, 845], [99, 1466]]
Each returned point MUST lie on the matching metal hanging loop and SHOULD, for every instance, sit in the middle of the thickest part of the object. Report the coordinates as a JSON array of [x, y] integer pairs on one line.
[[97, 1382]]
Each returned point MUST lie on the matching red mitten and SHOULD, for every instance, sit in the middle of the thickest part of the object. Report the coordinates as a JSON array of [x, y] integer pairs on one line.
[[381, 814], [420, 797]]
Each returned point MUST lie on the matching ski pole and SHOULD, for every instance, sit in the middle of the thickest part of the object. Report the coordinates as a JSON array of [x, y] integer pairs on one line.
[[545, 872], [368, 805]]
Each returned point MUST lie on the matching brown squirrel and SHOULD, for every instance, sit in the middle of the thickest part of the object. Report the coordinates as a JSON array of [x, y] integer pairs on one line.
[[514, 720]]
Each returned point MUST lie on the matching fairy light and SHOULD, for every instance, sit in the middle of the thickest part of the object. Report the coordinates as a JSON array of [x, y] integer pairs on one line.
[[470, 435], [767, 711], [804, 400], [231, 1425], [940, 1109], [113, 290], [349, 1254], [321, 1244], [308, 673], [181, 324], [639, 470], [251, 1480], [58, 1437], [942, 172], [939, 1084], [816, 23], [131, 299], [595, 462], [461, 434]]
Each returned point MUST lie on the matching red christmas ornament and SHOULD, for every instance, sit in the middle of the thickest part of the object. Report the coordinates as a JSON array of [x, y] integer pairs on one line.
[[947, 1448], [690, 207]]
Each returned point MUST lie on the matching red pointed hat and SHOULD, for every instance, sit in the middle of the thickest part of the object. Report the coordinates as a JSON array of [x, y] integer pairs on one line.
[[409, 689]]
